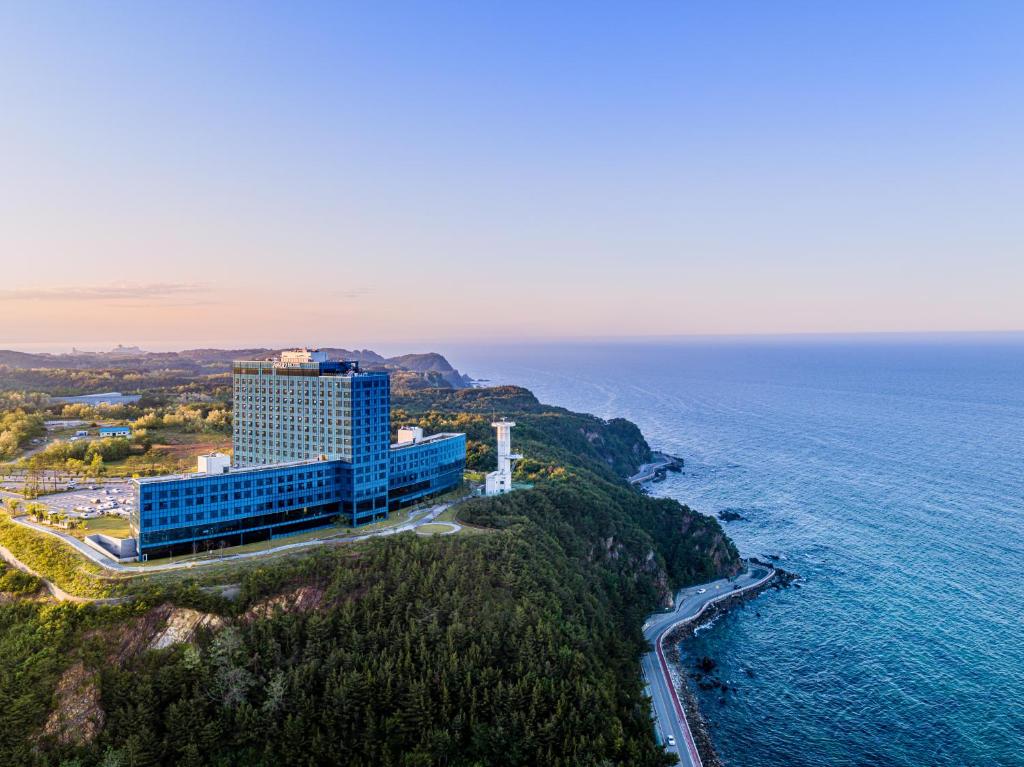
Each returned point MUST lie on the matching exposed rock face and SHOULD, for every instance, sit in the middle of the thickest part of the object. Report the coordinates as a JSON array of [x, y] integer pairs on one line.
[[78, 716], [161, 627], [299, 600], [182, 624]]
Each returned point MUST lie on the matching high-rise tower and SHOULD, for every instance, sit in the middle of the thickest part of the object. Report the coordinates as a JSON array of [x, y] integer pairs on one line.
[[500, 481], [303, 406]]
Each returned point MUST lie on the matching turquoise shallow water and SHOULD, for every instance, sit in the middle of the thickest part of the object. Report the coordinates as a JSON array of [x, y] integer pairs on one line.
[[891, 477]]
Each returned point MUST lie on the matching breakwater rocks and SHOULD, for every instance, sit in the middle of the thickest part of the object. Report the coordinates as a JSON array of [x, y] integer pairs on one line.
[[702, 673]]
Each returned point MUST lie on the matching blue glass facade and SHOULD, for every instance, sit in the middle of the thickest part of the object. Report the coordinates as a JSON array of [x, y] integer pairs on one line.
[[331, 422], [427, 467], [206, 511], [371, 440]]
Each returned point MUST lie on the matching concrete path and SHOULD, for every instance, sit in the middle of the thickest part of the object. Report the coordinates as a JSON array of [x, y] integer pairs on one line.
[[416, 519], [691, 602]]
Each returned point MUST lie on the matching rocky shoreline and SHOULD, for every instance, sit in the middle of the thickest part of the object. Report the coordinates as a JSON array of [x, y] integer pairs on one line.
[[699, 725]]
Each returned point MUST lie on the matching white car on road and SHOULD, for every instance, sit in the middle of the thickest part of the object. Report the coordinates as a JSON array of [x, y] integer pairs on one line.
[[671, 740], [701, 591]]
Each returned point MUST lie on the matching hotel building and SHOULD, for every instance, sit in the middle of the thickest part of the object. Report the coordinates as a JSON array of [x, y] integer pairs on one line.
[[311, 444]]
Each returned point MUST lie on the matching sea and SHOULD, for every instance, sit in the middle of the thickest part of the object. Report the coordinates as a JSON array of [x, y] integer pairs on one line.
[[889, 474]]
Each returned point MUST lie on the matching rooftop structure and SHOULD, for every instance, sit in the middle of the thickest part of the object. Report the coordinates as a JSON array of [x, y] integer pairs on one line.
[[214, 463], [303, 355]]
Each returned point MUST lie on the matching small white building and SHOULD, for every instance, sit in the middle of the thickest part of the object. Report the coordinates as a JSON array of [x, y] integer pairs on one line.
[[214, 463], [500, 481], [408, 434]]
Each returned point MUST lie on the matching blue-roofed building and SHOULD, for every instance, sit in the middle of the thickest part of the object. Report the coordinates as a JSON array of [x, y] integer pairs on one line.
[[311, 445], [115, 431]]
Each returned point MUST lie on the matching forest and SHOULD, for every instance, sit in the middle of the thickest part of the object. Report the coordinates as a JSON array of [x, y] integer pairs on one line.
[[518, 645]]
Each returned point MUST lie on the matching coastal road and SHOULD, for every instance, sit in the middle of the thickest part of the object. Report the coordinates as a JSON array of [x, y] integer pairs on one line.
[[669, 715], [647, 471]]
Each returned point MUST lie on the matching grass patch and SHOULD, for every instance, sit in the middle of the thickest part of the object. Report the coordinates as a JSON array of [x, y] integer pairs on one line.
[[116, 527], [433, 528], [171, 451], [14, 581], [336, 530], [56, 561], [394, 519], [451, 514]]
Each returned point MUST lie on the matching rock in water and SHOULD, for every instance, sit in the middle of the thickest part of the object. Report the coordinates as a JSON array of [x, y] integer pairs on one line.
[[706, 664]]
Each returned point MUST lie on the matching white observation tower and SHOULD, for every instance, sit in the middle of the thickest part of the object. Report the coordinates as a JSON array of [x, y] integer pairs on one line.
[[500, 481]]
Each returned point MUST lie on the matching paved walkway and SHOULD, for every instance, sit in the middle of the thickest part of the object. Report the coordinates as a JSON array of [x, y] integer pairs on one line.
[[690, 604], [416, 519]]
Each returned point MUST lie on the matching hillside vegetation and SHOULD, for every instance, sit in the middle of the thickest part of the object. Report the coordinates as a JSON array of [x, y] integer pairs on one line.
[[515, 647], [193, 372]]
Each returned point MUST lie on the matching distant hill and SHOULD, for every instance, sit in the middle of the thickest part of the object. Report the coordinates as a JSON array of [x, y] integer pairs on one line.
[[411, 371], [432, 362]]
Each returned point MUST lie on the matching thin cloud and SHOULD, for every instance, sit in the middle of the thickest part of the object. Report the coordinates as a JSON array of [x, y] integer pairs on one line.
[[182, 292], [354, 292]]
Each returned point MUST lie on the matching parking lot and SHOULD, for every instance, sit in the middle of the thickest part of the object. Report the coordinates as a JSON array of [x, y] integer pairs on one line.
[[93, 500]]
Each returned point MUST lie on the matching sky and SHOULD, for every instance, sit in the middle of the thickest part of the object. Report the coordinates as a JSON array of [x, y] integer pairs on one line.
[[355, 174]]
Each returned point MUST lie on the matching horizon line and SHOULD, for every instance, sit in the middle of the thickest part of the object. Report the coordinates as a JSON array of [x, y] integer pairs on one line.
[[58, 348]]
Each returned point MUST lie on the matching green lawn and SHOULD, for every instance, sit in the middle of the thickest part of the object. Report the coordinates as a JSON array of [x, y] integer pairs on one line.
[[433, 528], [116, 527], [451, 514], [57, 561]]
